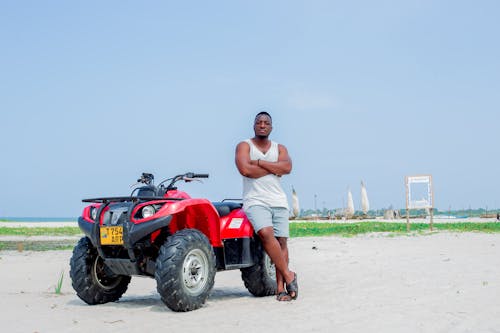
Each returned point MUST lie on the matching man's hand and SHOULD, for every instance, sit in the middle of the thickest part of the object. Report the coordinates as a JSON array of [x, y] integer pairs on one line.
[[282, 167]]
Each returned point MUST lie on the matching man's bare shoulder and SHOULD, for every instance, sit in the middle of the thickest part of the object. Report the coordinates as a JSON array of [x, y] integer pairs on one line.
[[281, 146], [242, 144], [242, 147]]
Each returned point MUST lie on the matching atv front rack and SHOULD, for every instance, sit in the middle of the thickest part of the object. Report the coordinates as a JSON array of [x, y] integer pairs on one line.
[[127, 199]]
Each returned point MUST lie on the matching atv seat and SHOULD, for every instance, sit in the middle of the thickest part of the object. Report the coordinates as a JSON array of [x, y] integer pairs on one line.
[[224, 208]]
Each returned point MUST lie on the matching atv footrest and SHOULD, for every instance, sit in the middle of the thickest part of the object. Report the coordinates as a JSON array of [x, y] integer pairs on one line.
[[122, 266]]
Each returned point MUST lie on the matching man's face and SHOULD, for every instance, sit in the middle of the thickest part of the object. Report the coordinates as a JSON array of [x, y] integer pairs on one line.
[[263, 126]]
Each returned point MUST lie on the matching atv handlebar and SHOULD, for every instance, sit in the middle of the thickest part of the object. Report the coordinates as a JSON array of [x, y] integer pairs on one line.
[[187, 177], [200, 175], [190, 175]]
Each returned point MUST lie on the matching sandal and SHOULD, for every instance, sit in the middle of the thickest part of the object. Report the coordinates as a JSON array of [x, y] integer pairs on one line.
[[283, 297], [293, 287]]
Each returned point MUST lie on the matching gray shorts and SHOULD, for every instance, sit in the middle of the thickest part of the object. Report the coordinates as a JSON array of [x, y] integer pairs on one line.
[[276, 217]]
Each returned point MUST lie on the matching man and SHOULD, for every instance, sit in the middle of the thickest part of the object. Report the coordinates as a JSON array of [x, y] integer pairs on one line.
[[262, 162]]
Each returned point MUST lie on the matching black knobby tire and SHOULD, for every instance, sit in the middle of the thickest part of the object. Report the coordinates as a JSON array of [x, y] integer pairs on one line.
[[185, 270], [260, 279], [89, 278]]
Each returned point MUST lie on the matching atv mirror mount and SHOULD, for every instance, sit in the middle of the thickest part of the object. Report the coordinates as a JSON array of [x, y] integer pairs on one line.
[[146, 178]]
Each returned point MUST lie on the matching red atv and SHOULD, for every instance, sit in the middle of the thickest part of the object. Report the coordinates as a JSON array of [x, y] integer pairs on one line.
[[161, 232]]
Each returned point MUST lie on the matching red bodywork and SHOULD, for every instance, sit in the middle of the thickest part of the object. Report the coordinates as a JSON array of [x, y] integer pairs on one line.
[[192, 213]]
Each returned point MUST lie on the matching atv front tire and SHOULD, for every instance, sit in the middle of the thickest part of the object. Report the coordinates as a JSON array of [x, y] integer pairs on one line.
[[185, 270], [260, 279], [90, 278]]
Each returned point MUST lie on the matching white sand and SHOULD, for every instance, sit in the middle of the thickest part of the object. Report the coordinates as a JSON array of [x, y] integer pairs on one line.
[[432, 283]]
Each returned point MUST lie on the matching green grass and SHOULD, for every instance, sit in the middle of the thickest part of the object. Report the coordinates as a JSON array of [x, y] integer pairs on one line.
[[297, 229], [58, 286], [39, 245], [304, 229], [40, 231]]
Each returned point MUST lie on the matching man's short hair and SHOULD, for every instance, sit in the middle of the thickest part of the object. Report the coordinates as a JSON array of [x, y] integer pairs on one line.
[[263, 113]]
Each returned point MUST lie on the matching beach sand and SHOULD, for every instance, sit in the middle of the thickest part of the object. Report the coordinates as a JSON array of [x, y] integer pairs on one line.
[[440, 282]]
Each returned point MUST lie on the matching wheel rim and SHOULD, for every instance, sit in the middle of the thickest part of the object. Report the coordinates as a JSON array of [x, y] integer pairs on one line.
[[195, 271], [101, 278], [270, 268]]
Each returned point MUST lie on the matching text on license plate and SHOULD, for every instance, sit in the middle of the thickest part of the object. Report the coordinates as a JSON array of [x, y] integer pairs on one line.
[[112, 235]]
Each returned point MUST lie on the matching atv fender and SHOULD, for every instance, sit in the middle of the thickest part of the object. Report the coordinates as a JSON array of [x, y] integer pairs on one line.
[[190, 214]]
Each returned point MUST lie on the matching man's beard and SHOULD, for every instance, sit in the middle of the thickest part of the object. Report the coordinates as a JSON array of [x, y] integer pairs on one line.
[[261, 137]]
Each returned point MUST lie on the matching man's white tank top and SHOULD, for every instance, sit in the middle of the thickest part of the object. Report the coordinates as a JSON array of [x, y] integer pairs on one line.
[[266, 190]]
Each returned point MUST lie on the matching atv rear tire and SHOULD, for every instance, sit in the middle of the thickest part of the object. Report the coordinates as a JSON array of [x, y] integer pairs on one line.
[[89, 276], [260, 279], [185, 270]]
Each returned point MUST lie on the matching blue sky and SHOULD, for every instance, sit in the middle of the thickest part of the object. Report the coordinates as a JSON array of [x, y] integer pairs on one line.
[[92, 93]]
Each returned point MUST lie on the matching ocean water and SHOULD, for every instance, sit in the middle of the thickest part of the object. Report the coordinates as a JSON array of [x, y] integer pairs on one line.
[[38, 219]]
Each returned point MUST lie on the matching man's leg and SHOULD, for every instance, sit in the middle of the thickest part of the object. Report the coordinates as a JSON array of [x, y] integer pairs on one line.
[[284, 251], [265, 223], [281, 225], [273, 249]]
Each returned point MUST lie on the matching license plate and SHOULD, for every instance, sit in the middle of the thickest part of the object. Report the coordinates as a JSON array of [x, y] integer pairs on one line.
[[112, 235]]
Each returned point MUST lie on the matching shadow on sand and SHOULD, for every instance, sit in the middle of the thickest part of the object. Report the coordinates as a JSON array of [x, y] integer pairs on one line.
[[154, 302]]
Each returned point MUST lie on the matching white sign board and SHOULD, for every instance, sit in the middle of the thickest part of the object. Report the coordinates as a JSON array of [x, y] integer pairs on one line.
[[419, 194]]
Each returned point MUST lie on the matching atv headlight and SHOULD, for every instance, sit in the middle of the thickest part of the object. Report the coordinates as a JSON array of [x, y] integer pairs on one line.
[[93, 213], [148, 211]]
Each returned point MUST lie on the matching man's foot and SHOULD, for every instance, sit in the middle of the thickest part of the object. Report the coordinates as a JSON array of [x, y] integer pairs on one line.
[[283, 297], [293, 288]]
